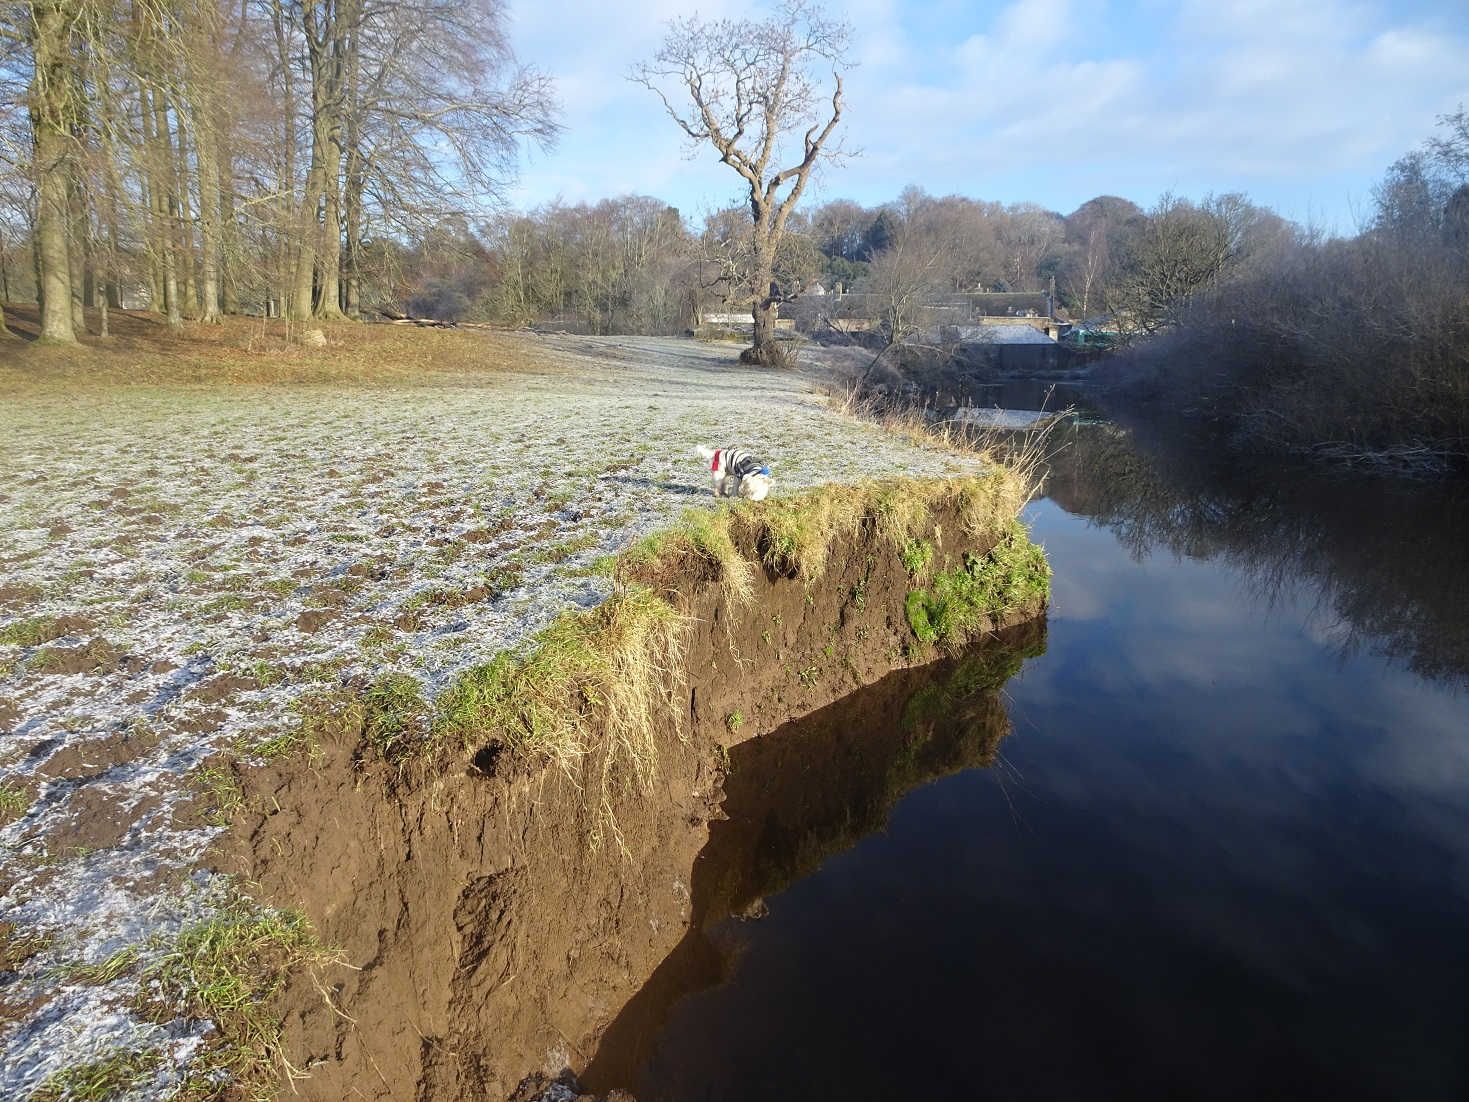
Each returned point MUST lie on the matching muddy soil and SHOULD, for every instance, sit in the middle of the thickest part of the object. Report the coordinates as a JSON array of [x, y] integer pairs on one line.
[[484, 937]]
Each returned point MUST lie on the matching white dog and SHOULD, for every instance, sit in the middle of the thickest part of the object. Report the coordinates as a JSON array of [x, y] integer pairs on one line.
[[737, 473]]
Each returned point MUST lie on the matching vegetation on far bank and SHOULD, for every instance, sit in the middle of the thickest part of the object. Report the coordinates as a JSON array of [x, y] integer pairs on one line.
[[1342, 350]]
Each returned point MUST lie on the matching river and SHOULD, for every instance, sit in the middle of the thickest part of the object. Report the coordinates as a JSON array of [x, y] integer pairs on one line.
[[1209, 840]]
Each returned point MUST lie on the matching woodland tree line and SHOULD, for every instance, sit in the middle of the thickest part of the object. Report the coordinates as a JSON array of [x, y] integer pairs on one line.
[[1352, 349], [202, 157], [634, 264]]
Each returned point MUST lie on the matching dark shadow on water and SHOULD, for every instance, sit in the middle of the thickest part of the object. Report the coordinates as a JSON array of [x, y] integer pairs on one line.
[[806, 792]]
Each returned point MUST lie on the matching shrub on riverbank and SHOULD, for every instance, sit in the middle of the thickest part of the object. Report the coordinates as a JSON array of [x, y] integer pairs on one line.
[[1354, 350], [1349, 350]]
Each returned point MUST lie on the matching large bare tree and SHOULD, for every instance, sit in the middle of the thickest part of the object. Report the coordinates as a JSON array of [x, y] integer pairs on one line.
[[757, 93]]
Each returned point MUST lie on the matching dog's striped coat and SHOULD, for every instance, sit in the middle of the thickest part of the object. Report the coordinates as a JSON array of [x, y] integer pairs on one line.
[[736, 461], [737, 472]]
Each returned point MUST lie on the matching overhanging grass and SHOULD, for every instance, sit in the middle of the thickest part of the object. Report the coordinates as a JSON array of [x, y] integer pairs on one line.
[[610, 671], [960, 604], [617, 662], [796, 534]]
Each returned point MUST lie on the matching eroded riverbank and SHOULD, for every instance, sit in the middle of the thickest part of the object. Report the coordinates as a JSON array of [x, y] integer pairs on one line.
[[194, 573], [497, 911]]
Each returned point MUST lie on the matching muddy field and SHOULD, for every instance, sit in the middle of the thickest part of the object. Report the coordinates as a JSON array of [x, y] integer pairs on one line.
[[185, 571]]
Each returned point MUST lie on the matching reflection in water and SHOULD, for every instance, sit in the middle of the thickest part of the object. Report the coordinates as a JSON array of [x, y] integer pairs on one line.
[[805, 792], [1388, 563]]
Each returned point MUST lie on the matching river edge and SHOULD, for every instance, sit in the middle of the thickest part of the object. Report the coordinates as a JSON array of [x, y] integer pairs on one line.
[[491, 919]]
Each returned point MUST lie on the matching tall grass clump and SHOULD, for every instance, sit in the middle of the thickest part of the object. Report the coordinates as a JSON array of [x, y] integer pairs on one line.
[[610, 670], [700, 535], [959, 605]]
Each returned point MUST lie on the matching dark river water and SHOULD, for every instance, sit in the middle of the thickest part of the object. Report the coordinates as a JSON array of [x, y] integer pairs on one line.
[[1204, 834]]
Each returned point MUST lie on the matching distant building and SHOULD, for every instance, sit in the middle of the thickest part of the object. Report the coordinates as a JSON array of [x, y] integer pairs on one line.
[[1005, 348]]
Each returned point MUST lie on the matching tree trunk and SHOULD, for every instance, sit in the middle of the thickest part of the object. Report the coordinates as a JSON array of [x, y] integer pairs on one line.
[[352, 276], [203, 62], [77, 232], [229, 279], [208, 224], [53, 170], [764, 350], [329, 303], [317, 20], [168, 204], [111, 289], [103, 328], [152, 216], [183, 225]]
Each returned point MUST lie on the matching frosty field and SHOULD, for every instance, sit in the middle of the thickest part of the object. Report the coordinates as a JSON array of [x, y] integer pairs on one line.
[[180, 565]]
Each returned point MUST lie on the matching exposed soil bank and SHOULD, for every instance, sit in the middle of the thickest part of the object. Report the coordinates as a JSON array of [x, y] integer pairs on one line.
[[811, 789], [486, 938]]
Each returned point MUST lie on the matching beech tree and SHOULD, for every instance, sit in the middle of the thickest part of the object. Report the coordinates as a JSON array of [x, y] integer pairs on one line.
[[756, 93], [209, 156]]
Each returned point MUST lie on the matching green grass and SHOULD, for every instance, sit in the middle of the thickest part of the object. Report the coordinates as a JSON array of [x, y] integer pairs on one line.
[[917, 557], [13, 802], [222, 792], [227, 970], [106, 1078], [29, 632], [960, 604], [396, 716], [118, 964], [16, 948]]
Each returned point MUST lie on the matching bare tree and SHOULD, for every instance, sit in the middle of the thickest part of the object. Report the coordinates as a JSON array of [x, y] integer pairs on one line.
[[49, 29], [755, 92], [905, 275]]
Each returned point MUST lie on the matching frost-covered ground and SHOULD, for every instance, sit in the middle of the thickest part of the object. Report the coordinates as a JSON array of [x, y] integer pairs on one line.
[[210, 554]]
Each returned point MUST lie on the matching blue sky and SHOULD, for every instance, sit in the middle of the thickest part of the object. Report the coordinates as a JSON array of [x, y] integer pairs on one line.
[[1300, 103]]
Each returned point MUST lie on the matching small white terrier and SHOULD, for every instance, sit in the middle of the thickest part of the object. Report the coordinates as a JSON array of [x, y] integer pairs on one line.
[[737, 473]]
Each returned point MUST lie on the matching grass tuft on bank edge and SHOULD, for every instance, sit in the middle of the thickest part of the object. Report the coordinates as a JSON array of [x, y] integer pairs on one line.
[[228, 970], [607, 673], [619, 662], [957, 606]]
